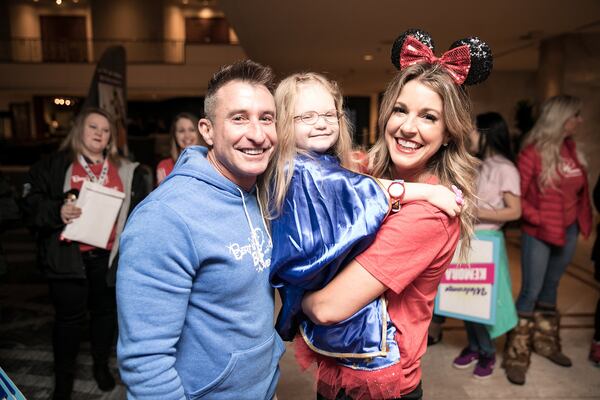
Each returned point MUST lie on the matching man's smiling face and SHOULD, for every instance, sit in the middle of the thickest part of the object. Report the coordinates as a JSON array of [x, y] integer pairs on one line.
[[243, 135]]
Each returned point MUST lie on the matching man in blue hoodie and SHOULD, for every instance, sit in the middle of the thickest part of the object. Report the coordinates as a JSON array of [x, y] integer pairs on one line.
[[194, 302]]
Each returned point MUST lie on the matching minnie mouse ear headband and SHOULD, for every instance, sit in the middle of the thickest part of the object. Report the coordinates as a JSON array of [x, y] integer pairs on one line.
[[469, 61]]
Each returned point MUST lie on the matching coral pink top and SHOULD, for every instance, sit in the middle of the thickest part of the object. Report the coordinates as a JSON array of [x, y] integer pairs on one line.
[[409, 255]]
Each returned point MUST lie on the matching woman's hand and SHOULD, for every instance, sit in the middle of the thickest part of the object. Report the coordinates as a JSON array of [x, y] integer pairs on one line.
[[69, 212], [445, 199]]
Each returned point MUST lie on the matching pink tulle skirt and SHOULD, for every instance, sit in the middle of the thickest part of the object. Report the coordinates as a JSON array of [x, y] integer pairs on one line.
[[386, 383]]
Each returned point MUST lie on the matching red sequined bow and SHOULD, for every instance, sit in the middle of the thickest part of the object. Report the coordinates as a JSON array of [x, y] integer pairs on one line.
[[457, 61]]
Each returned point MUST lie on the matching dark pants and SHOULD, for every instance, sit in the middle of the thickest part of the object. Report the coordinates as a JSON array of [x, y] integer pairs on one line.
[[479, 339], [416, 394], [72, 299]]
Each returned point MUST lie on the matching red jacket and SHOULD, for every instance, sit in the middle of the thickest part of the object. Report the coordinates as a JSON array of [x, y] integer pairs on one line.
[[544, 211]]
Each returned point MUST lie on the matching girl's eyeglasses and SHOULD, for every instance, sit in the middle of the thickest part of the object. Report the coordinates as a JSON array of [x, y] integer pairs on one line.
[[311, 117]]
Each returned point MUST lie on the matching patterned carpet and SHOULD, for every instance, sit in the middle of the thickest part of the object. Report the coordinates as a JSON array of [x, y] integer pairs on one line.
[[26, 328]]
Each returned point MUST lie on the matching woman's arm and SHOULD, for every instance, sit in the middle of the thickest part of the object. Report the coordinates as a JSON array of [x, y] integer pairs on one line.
[[408, 243], [332, 303], [526, 166], [511, 211], [40, 210]]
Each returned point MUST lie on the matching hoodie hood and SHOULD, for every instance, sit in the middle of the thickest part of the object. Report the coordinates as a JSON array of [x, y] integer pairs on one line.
[[193, 162]]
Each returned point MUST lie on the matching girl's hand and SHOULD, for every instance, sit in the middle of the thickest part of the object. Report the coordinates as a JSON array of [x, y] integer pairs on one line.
[[69, 212], [445, 199], [386, 184]]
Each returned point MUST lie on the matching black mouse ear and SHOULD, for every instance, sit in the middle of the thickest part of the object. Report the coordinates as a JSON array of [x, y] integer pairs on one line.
[[418, 34], [482, 61]]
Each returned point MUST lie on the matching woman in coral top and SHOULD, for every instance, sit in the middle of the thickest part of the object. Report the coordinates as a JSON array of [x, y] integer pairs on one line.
[[424, 125], [556, 208], [184, 133]]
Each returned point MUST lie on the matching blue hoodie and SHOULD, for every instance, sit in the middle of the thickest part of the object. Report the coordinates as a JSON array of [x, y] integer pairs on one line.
[[194, 301]]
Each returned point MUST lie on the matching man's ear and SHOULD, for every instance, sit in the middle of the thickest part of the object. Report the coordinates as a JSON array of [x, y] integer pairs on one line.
[[206, 130]]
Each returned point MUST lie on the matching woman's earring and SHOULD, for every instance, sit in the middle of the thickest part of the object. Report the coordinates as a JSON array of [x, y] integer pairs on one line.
[[446, 144]]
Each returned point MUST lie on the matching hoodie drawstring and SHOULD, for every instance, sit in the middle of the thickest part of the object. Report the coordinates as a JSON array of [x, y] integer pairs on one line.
[[259, 256]]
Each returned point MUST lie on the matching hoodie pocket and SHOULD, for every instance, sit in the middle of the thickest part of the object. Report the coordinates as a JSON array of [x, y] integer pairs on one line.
[[249, 374]]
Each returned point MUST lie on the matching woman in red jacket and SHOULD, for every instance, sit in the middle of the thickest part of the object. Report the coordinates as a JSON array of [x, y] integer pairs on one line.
[[556, 208]]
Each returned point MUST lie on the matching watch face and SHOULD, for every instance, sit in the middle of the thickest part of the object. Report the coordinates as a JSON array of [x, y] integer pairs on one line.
[[396, 189]]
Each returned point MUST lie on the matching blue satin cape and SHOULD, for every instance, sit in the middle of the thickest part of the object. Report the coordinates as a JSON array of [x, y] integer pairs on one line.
[[329, 216]]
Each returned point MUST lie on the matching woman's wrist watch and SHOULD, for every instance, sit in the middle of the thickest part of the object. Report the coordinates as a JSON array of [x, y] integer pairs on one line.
[[396, 191]]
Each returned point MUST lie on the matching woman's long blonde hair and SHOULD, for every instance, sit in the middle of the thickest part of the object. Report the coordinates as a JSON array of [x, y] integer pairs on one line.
[[282, 166], [74, 140], [175, 148], [547, 135], [452, 164]]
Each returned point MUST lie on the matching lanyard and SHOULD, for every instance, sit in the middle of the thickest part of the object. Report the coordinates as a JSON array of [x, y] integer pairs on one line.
[[102, 178]]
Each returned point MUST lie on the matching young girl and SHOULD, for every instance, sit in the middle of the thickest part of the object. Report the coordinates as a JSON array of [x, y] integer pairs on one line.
[[499, 201], [184, 133], [326, 215]]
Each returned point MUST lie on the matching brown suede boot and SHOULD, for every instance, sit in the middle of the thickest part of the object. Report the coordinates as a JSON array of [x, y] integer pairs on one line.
[[546, 339], [517, 351]]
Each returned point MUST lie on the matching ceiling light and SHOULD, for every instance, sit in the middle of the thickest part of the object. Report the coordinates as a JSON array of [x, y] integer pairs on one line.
[[368, 57], [59, 2], [206, 12]]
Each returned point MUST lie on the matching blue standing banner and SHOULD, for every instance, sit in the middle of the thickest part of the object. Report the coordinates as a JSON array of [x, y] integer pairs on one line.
[[108, 91]]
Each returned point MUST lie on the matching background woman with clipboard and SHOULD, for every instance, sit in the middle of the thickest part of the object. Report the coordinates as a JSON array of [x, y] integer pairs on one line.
[[78, 274]]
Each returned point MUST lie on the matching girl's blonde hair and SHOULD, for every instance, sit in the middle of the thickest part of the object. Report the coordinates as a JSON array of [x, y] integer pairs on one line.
[[281, 167], [547, 135], [452, 164], [74, 140], [175, 148]]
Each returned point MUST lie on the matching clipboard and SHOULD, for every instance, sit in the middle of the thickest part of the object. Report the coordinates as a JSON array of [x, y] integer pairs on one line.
[[99, 210]]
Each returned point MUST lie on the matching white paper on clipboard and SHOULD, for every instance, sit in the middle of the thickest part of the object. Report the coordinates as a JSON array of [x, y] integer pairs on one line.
[[99, 210]]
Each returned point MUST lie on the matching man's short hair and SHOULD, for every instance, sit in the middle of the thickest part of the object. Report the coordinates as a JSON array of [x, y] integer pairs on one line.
[[245, 71]]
